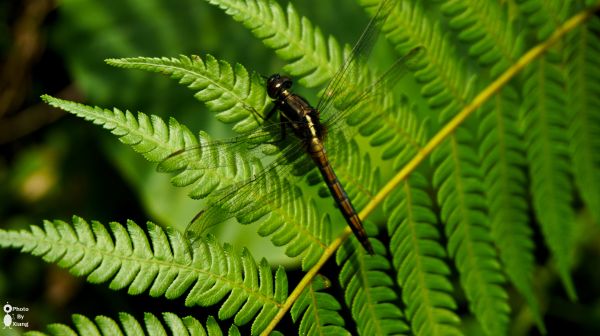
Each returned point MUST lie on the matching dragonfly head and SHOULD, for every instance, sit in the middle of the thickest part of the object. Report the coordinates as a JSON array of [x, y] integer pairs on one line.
[[276, 84]]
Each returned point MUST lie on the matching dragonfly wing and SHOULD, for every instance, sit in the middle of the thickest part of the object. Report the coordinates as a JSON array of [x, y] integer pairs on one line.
[[252, 198], [339, 134], [347, 75], [355, 100], [202, 156]]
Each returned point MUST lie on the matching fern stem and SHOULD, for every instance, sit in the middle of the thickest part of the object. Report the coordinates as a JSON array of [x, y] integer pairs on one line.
[[435, 141], [306, 280]]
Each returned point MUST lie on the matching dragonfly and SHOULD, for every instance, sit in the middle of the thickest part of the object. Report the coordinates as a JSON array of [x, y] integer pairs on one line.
[[309, 126]]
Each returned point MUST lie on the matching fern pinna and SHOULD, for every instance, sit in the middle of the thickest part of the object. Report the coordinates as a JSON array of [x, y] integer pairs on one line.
[[458, 232]]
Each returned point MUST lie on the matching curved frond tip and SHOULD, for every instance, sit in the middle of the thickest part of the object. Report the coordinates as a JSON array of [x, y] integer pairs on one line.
[[234, 94], [313, 58]]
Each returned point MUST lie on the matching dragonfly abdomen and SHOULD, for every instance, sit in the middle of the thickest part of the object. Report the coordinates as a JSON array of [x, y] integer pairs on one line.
[[319, 156]]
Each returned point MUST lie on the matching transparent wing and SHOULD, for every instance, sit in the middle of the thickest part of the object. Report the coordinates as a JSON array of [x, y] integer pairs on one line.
[[248, 195], [250, 199], [346, 75], [355, 98], [205, 156]]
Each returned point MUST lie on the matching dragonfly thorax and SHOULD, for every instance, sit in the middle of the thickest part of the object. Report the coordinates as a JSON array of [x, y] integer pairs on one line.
[[277, 84]]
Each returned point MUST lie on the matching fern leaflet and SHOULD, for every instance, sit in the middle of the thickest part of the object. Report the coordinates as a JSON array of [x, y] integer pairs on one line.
[[503, 161], [229, 91], [418, 261], [444, 80], [369, 290], [545, 128], [463, 207], [583, 87], [152, 325], [544, 16], [317, 311], [314, 58], [486, 27], [160, 263]]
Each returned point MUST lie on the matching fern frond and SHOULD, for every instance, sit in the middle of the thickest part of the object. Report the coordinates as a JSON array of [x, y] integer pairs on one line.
[[287, 213], [149, 136], [544, 123], [369, 290], [314, 58], [463, 211], [402, 134], [317, 311], [152, 325], [503, 161], [234, 94], [298, 226], [418, 258], [583, 98], [544, 16], [161, 263], [486, 28], [444, 79]]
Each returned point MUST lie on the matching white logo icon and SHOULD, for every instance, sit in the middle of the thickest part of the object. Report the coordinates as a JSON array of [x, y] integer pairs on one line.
[[7, 318]]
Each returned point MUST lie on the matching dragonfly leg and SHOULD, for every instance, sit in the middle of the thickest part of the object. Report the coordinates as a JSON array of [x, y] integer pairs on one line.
[[283, 134], [270, 114], [282, 124]]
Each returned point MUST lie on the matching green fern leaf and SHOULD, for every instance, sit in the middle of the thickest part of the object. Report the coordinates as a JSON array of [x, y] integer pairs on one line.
[[149, 136], [317, 311], [462, 200], [547, 141], [486, 27], [173, 324], [314, 58], [503, 160], [545, 127], [544, 16], [583, 87], [443, 78], [369, 290], [402, 136], [229, 91], [418, 259], [162, 265]]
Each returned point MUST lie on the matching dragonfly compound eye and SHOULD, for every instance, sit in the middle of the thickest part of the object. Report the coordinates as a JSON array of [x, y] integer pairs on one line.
[[276, 84]]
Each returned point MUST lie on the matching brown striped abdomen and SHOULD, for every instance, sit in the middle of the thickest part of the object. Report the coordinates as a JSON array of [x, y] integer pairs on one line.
[[319, 156]]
